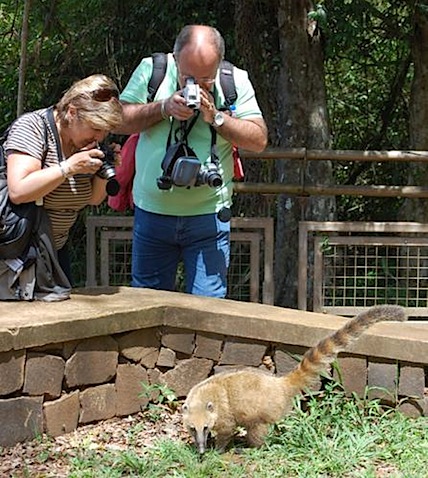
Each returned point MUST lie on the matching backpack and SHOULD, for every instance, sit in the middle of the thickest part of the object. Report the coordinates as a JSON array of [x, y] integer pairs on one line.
[[227, 83], [16, 220]]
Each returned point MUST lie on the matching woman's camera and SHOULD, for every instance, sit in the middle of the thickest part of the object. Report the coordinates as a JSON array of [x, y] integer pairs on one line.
[[107, 170]]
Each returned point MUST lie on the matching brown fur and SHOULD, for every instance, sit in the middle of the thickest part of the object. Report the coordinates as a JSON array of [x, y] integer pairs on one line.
[[254, 400]]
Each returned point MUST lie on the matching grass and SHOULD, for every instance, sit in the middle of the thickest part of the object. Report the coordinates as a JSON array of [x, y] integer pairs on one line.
[[328, 435]]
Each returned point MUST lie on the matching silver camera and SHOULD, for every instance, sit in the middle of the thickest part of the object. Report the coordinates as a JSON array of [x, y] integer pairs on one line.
[[192, 94]]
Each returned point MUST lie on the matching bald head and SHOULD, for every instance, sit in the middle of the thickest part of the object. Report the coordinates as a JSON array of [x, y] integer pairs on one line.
[[198, 51], [199, 40]]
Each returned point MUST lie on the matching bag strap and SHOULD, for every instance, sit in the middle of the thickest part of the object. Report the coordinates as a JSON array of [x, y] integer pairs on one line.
[[52, 123], [46, 139]]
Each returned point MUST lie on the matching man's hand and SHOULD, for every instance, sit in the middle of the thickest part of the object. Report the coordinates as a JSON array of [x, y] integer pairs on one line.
[[176, 106], [207, 108]]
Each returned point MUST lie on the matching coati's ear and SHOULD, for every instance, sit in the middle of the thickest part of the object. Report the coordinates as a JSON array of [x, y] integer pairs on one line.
[[210, 406]]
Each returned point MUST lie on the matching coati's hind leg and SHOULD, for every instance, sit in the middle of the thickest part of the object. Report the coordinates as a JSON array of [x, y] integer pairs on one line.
[[256, 434]]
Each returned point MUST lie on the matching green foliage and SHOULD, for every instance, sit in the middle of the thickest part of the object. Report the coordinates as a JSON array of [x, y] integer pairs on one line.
[[339, 436], [67, 43], [161, 398], [368, 77], [159, 393], [319, 15]]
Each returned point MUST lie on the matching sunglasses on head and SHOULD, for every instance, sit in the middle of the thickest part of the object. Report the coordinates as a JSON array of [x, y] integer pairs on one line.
[[105, 94]]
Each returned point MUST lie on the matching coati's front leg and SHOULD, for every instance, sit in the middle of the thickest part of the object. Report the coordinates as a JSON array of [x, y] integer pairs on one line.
[[224, 432], [256, 434]]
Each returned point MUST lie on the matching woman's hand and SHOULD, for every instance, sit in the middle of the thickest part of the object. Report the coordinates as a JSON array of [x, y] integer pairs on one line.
[[84, 162]]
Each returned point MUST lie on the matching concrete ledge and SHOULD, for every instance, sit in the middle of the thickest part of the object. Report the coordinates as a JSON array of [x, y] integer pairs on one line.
[[103, 311]]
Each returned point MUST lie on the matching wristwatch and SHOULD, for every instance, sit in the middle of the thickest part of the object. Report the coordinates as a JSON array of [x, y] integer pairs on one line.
[[218, 119]]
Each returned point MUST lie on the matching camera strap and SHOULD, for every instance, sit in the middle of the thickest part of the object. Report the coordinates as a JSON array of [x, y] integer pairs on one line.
[[185, 128], [214, 154]]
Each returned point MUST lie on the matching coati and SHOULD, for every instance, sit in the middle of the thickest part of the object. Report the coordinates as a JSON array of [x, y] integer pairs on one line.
[[254, 400]]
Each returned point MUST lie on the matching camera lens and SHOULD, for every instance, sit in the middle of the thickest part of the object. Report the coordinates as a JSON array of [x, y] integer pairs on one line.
[[112, 187], [106, 171], [210, 176], [215, 180]]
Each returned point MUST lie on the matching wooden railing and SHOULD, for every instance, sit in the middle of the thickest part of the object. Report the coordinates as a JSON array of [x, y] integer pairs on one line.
[[304, 189]]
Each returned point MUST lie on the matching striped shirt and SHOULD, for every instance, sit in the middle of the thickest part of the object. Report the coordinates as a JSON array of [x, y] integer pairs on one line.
[[63, 204]]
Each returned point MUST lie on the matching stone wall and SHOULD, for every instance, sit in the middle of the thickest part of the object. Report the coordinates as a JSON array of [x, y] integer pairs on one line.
[[54, 386]]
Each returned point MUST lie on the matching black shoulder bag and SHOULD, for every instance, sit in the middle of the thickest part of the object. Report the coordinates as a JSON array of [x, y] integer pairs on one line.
[[16, 220]]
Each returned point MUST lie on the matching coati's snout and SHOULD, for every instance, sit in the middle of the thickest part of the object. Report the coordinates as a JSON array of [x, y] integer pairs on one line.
[[199, 419]]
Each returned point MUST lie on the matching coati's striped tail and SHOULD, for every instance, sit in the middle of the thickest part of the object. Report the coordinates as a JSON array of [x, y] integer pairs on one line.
[[316, 359]]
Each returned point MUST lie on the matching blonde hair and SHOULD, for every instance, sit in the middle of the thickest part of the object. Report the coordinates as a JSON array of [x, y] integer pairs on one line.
[[105, 114]]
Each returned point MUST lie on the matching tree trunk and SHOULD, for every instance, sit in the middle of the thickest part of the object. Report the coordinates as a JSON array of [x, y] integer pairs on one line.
[[258, 52], [23, 59], [302, 122], [417, 209]]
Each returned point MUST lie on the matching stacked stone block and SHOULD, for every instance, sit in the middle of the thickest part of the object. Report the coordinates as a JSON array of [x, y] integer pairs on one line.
[[58, 387]]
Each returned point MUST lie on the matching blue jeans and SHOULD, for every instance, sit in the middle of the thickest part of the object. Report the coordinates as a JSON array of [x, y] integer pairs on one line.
[[160, 242]]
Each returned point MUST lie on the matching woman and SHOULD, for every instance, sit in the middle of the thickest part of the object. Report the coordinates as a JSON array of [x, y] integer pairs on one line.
[[61, 175]]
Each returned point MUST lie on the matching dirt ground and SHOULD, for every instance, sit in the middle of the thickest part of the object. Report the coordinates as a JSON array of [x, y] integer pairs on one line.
[[50, 457]]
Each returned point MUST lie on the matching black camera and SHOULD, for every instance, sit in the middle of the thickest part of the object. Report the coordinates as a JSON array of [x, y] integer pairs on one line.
[[107, 170], [192, 94], [182, 168]]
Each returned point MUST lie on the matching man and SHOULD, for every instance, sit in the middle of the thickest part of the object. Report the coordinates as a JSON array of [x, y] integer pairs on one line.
[[187, 222]]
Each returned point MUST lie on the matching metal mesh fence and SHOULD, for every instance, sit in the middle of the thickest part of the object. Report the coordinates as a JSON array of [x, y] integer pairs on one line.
[[362, 275], [250, 273], [345, 267]]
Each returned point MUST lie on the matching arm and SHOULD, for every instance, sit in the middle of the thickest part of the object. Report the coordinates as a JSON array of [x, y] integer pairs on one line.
[[139, 117], [246, 134], [27, 181], [98, 191], [138, 113], [249, 134]]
